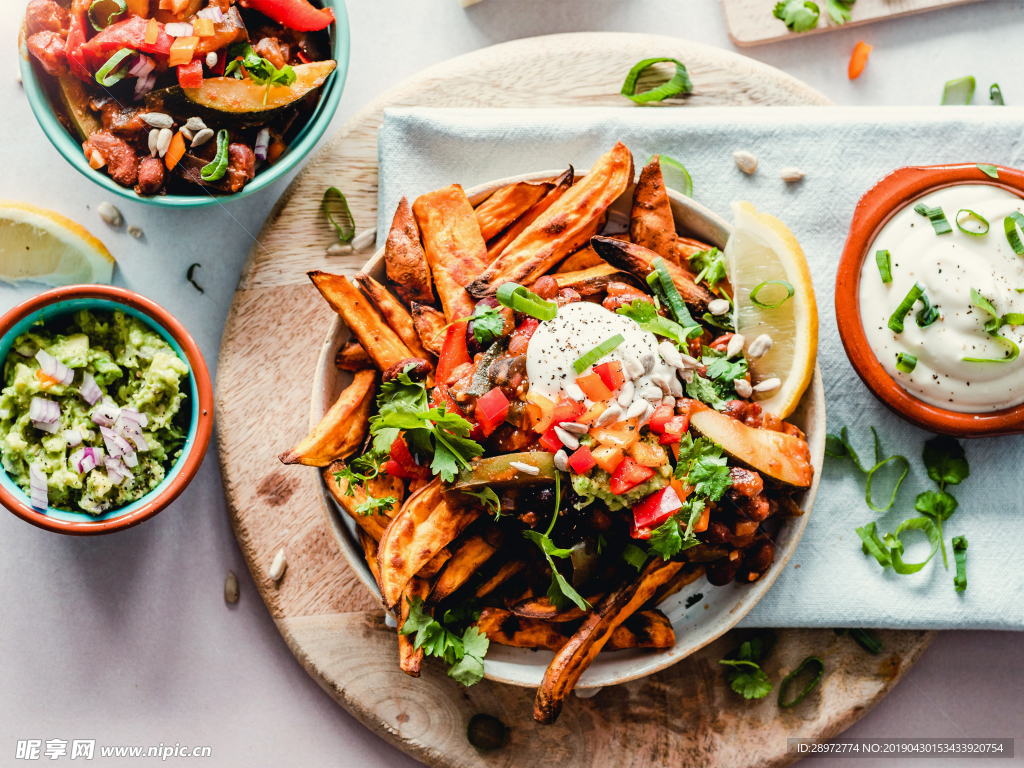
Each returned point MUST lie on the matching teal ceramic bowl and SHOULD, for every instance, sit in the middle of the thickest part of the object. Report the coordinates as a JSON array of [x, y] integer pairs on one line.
[[71, 148], [65, 301]]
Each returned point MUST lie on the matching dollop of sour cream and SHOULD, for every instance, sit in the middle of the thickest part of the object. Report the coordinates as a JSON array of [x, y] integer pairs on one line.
[[577, 329], [948, 266]]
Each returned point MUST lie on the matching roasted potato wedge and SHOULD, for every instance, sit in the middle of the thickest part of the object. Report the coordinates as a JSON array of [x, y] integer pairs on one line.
[[373, 524], [410, 658], [637, 260], [686, 575], [343, 428], [562, 228], [541, 608], [369, 545], [503, 574], [455, 249], [507, 204], [584, 258], [425, 525], [435, 564], [397, 316], [573, 659], [560, 186], [685, 248], [594, 280], [470, 555], [352, 357], [380, 342], [650, 222], [505, 628], [644, 629], [382, 486], [429, 325], [404, 259]]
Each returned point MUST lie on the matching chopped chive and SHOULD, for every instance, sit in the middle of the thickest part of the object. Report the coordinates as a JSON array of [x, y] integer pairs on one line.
[[936, 217], [884, 261], [813, 660], [960, 555], [896, 321], [906, 362], [516, 297], [988, 170], [971, 215], [995, 93], [923, 524], [122, 7], [992, 328], [790, 291], [597, 353], [111, 72], [959, 91], [1010, 224], [928, 314], [680, 82]]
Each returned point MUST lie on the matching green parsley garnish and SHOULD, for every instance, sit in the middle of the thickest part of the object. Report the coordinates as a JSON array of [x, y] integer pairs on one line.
[[839, 10], [647, 317], [242, 59], [797, 15], [464, 653], [489, 499], [372, 505], [745, 674]]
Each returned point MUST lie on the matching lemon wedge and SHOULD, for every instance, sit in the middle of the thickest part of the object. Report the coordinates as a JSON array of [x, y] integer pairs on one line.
[[762, 249], [42, 246]]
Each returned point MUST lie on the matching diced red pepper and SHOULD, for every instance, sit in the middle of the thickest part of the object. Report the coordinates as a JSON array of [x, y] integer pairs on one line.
[[661, 416], [491, 410], [656, 508], [549, 441], [520, 337], [73, 48], [402, 464], [674, 429], [639, 533], [191, 75], [130, 33], [454, 352], [441, 395], [294, 14], [567, 410], [611, 374], [582, 460], [629, 475], [859, 58]]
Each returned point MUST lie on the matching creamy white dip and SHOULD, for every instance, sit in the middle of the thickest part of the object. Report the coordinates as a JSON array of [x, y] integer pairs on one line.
[[948, 266]]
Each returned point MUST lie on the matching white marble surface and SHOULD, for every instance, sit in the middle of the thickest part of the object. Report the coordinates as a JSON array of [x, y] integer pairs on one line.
[[126, 639]]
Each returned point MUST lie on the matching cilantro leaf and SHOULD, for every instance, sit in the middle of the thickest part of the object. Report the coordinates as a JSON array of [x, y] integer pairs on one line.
[[242, 60], [704, 390], [449, 433], [937, 504], [751, 685], [839, 10], [372, 505], [745, 675], [560, 591], [798, 15], [488, 323], [470, 669], [710, 267], [464, 653], [489, 499], [635, 556], [945, 460], [357, 471], [702, 465], [666, 540], [646, 316]]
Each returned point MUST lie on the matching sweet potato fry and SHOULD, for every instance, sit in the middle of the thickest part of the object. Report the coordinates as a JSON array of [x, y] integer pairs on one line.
[[562, 228], [373, 524], [409, 658], [637, 260], [505, 628], [425, 524], [684, 248], [383, 486], [435, 564], [584, 258], [352, 357], [573, 659], [644, 629], [404, 259], [507, 204], [369, 545], [650, 222], [377, 338], [429, 325], [560, 186], [342, 429], [455, 249], [397, 316], [593, 280], [470, 555], [686, 575], [503, 574], [541, 608]]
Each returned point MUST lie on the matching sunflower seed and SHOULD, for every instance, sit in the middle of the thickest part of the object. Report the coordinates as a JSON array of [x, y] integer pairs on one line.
[[735, 345], [338, 248], [661, 381], [574, 427], [163, 141], [674, 387], [745, 161], [743, 388], [231, 587], [364, 239], [650, 392], [718, 307], [195, 124], [561, 460], [277, 568], [790, 175], [670, 354], [572, 389], [526, 469], [638, 407], [569, 441], [632, 366], [158, 119], [669, 400], [204, 135], [686, 375], [689, 362], [759, 347], [626, 394], [611, 415], [96, 160], [645, 416], [153, 136], [135, 232], [648, 359], [211, 59], [768, 385], [110, 214], [184, 131]]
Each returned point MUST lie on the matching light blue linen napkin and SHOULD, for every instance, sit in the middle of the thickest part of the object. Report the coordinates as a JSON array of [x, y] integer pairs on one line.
[[843, 151]]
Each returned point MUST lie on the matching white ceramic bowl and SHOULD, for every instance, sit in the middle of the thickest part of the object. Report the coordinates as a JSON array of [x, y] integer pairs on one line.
[[721, 608]]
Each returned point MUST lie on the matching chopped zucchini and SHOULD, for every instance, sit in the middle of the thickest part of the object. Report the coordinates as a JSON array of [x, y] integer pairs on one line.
[[75, 99]]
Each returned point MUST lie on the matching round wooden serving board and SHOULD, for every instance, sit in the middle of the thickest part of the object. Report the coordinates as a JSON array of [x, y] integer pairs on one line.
[[683, 715]]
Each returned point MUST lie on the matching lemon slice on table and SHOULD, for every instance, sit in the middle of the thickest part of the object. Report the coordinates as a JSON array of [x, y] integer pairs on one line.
[[44, 247], [763, 252]]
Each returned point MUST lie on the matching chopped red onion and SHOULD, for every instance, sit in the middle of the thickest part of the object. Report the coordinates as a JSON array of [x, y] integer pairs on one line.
[[178, 29], [143, 66], [90, 390], [132, 431], [213, 13], [144, 85], [105, 414], [116, 471], [54, 368], [44, 414], [37, 484], [262, 143], [90, 459], [73, 436], [131, 414], [131, 459], [110, 440]]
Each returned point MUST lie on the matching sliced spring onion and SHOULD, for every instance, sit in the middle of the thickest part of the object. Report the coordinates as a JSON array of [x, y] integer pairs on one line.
[[896, 321], [672, 296], [936, 217], [863, 638], [814, 661], [884, 261], [906, 362], [335, 204], [680, 82], [873, 545], [122, 7], [219, 165], [959, 91], [995, 93], [971, 215], [928, 313], [896, 546], [992, 328], [960, 555], [787, 286], [111, 72], [190, 276], [1010, 224], [675, 175], [516, 297], [871, 476], [988, 170], [602, 349]]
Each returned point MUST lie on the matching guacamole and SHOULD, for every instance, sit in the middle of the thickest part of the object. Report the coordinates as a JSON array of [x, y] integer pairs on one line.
[[121, 409], [595, 485]]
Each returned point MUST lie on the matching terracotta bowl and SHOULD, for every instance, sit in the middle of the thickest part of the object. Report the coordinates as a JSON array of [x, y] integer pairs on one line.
[[721, 607], [883, 201], [63, 301]]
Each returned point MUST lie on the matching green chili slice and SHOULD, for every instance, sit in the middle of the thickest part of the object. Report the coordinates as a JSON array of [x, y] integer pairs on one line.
[[680, 82], [896, 546], [905, 362], [217, 167], [988, 170], [992, 329], [335, 204], [812, 660], [995, 93], [790, 291], [675, 175], [936, 216], [1010, 224], [971, 215], [959, 91], [110, 73], [602, 349], [122, 7], [896, 321], [516, 297], [884, 261], [960, 555]]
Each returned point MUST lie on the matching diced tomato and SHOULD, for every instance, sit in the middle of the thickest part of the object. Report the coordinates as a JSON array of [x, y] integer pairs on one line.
[[567, 410], [674, 429], [608, 457], [539, 412], [549, 441], [593, 386], [629, 475], [582, 460], [191, 75], [593, 414], [662, 414], [611, 374], [648, 454], [657, 508], [73, 47], [491, 410], [520, 337], [623, 437], [454, 352]]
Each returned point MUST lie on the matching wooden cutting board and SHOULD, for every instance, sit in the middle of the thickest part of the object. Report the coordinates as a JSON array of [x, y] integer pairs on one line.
[[277, 323]]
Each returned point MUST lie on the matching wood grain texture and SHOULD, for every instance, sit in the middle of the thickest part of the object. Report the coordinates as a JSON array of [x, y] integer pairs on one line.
[[271, 342], [750, 22]]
